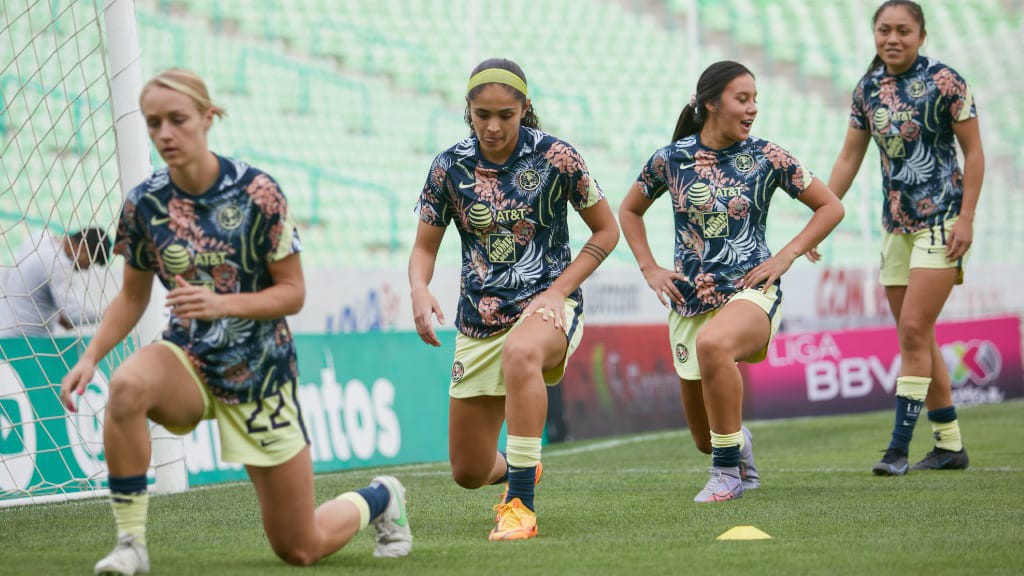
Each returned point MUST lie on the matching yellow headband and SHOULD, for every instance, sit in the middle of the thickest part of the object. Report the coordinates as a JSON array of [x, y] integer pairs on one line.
[[497, 75]]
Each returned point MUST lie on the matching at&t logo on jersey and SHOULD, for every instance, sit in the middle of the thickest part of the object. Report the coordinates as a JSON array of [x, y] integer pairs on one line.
[[700, 194], [480, 216], [176, 259]]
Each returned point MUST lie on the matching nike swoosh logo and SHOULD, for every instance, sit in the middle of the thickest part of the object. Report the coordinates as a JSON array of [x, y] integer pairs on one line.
[[264, 443], [154, 221], [464, 187], [401, 520]]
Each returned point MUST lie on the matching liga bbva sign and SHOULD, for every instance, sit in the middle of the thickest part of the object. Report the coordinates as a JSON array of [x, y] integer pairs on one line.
[[837, 372]]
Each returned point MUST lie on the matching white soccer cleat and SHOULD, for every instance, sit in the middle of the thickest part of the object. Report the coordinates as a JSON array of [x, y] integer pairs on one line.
[[393, 536], [748, 472], [724, 484], [128, 558]]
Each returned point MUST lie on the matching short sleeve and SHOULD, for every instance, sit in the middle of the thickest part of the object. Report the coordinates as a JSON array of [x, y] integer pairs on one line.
[[859, 109], [281, 238], [284, 239], [130, 240], [955, 94], [790, 174], [584, 191], [653, 179], [432, 205]]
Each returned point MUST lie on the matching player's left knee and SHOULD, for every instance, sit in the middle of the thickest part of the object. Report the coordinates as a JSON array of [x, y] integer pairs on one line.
[[297, 556], [712, 350], [915, 334], [519, 358], [471, 477]]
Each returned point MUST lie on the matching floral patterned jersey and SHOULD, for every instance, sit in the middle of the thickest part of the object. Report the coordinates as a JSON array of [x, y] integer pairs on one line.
[[222, 239], [720, 199], [512, 220], [911, 118]]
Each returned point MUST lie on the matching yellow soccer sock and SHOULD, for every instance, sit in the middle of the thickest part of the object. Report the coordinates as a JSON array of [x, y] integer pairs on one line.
[[523, 458], [523, 452], [913, 387], [361, 504], [947, 435], [130, 514], [726, 440]]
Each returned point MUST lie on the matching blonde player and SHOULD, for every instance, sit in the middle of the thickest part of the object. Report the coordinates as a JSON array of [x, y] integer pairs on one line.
[[218, 235]]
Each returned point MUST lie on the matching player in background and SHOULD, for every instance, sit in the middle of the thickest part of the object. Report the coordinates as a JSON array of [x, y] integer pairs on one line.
[[38, 292], [916, 109], [218, 235], [724, 290], [520, 315]]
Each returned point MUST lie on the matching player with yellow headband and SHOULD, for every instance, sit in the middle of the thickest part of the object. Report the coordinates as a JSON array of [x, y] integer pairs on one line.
[[508, 187]]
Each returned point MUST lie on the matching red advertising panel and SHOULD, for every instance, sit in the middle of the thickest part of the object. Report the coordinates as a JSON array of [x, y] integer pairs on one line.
[[621, 381], [855, 370]]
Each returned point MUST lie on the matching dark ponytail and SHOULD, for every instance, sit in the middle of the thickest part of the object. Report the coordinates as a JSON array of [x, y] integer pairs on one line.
[[530, 119], [915, 12], [688, 122], [709, 90]]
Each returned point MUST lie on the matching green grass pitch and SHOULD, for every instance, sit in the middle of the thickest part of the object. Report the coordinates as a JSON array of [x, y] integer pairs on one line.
[[621, 506]]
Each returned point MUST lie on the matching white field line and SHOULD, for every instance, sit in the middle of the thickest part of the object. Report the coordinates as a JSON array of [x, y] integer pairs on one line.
[[609, 444], [703, 469]]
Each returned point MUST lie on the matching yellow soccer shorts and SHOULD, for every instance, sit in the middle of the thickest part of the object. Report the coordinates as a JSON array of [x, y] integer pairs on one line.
[[476, 370], [922, 249], [266, 432], [683, 330]]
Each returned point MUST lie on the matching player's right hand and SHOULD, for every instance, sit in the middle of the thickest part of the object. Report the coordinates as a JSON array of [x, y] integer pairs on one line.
[[813, 255], [662, 281], [424, 306], [76, 381]]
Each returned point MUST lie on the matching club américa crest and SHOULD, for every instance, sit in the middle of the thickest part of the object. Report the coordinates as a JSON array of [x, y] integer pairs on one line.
[[682, 354], [743, 162], [917, 89], [458, 371], [528, 180], [229, 217]]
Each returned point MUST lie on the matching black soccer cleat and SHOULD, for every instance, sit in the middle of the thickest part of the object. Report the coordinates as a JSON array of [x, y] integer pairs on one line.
[[942, 459], [894, 463]]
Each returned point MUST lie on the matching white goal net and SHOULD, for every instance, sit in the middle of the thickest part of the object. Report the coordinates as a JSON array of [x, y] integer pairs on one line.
[[59, 174]]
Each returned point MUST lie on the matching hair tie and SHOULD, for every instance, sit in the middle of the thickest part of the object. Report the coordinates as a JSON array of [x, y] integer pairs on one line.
[[693, 100]]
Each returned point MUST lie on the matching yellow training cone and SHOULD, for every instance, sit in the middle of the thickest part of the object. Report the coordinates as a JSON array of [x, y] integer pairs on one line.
[[744, 533]]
